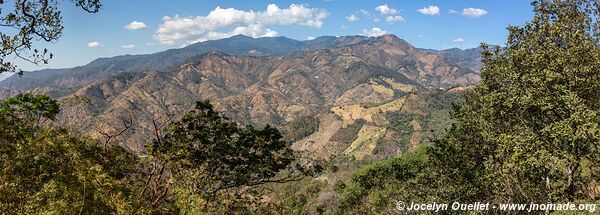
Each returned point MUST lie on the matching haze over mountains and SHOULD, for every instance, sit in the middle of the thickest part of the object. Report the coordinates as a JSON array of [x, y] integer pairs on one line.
[[349, 86]]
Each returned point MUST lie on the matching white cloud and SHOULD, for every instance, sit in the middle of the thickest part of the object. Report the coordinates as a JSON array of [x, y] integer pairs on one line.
[[376, 20], [452, 11], [94, 44], [310, 38], [128, 46], [201, 28], [394, 19], [374, 32], [474, 12], [343, 27], [430, 10], [352, 18], [458, 40], [365, 13], [385, 10], [135, 25]]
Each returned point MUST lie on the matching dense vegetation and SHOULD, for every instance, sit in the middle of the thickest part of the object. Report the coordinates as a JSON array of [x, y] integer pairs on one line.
[[301, 127], [47, 169], [528, 133], [204, 162]]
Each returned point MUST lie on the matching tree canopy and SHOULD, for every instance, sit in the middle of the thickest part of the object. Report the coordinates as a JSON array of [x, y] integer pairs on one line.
[[529, 132], [27, 21], [211, 156], [45, 169]]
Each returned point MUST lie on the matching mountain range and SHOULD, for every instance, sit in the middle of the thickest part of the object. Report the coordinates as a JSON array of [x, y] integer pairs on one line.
[[359, 96], [236, 45]]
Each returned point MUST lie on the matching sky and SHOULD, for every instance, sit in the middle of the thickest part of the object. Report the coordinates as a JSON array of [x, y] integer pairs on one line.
[[148, 26]]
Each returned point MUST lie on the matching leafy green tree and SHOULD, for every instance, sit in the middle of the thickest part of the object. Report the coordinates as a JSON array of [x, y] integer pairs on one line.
[[376, 187], [44, 169], [27, 21], [530, 131], [220, 162], [28, 110]]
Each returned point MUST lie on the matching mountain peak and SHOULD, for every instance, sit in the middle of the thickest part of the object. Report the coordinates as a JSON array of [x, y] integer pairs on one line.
[[389, 40], [240, 36], [390, 37]]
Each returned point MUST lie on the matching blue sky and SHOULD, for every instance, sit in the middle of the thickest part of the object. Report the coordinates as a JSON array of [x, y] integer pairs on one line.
[[432, 24]]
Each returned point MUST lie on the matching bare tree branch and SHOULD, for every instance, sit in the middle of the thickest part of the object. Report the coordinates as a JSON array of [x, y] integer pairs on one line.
[[108, 136]]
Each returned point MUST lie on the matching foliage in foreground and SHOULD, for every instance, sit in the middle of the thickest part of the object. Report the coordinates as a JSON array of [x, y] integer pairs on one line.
[[47, 170], [204, 163], [528, 133], [222, 164]]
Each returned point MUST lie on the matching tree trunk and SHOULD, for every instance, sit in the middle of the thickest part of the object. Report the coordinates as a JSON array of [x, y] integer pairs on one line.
[[570, 183]]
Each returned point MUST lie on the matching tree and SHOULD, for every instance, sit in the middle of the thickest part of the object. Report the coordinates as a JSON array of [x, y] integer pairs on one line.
[[45, 169], [530, 131], [376, 187], [29, 20], [28, 110], [211, 156]]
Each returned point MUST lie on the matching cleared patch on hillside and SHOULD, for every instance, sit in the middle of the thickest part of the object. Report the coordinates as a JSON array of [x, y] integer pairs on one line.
[[294, 108], [318, 141], [382, 89], [392, 106], [366, 94], [345, 136], [460, 89], [365, 142], [398, 86], [350, 113]]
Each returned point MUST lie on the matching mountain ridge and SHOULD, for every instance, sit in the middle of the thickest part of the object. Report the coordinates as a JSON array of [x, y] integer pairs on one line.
[[103, 67], [366, 79], [346, 85]]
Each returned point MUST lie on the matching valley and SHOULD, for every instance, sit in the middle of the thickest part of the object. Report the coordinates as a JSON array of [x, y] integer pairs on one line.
[[354, 87]]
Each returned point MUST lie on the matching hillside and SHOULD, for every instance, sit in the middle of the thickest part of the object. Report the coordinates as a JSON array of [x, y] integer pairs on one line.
[[60, 82], [105, 67], [467, 58], [366, 81], [364, 124]]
